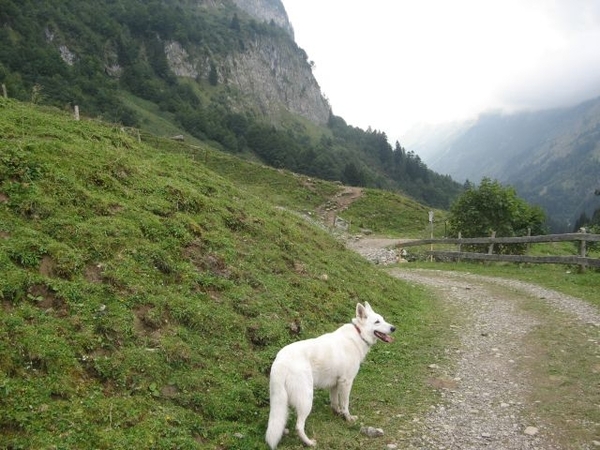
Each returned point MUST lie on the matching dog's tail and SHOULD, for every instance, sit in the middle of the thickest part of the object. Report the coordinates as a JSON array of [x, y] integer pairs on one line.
[[279, 409]]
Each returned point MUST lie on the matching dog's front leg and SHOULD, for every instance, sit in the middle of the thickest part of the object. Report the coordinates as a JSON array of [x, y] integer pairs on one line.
[[334, 398], [344, 387]]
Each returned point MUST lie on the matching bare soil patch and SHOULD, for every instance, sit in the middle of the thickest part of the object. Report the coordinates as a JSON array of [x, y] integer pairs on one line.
[[329, 210]]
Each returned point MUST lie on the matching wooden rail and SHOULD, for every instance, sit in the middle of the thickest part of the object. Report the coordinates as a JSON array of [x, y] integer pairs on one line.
[[580, 260], [587, 237]]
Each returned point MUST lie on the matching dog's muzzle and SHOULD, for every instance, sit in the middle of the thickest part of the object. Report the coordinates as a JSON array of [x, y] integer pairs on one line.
[[385, 337]]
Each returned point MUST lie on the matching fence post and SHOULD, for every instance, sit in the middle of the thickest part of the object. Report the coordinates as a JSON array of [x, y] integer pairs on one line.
[[76, 112], [4, 93], [582, 248], [582, 252], [459, 245], [491, 247]]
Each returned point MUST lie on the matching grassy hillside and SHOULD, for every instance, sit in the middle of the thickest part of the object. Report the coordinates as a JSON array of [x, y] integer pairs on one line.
[[143, 296]]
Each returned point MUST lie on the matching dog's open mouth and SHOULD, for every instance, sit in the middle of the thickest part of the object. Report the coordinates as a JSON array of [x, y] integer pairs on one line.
[[383, 337]]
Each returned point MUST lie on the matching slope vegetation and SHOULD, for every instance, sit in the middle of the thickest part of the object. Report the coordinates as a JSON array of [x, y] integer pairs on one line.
[[143, 296]]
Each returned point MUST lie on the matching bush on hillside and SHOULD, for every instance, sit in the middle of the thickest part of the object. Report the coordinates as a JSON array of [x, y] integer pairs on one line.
[[491, 207]]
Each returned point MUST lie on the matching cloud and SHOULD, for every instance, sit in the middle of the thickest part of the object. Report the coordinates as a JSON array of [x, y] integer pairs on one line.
[[390, 64], [562, 77]]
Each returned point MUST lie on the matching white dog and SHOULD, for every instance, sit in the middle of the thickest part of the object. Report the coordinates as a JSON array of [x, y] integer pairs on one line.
[[330, 361]]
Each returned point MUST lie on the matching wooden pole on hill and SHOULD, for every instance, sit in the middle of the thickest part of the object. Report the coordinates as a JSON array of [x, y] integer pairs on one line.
[[431, 234], [4, 93], [76, 112]]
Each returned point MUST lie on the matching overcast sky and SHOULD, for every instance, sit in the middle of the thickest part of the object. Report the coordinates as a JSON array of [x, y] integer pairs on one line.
[[390, 64]]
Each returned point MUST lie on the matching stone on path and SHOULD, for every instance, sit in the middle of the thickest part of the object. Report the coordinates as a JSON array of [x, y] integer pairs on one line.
[[531, 431]]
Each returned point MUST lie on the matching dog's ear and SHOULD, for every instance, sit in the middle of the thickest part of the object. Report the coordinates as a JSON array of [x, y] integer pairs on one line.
[[361, 312], [368, 307]]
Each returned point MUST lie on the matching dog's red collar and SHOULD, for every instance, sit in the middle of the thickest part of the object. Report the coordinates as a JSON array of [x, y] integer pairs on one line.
[[360, 334]]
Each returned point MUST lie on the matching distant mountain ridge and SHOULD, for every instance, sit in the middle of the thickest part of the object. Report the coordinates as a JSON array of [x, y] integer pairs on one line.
[[552, 157]]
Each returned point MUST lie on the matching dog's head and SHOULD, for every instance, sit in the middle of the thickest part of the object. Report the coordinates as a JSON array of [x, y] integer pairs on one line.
[[372, 326]]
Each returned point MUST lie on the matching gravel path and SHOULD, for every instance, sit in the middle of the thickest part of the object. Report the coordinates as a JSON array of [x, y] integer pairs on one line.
[[484, 393]]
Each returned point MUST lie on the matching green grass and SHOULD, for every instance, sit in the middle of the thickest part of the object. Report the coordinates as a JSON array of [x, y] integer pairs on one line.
[[152, 119], [146, 288], [392, 215], [283, 188]]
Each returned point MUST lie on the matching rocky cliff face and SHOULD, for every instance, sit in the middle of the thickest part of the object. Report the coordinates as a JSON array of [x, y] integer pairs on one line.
[[277, 74], [267, 71], [267, 10], [270, 71]]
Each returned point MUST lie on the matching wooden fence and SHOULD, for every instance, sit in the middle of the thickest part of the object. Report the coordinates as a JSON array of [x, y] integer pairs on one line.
[[582, 260]]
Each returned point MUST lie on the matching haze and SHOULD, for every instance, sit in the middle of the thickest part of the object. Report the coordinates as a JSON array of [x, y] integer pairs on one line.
[[391, 64]]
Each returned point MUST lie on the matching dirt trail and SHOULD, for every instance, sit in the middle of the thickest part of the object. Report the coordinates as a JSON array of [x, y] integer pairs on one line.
[[329, 210]]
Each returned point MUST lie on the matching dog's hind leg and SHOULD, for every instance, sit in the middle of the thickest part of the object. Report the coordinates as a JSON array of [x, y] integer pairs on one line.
[[301, 399], [303, 413]]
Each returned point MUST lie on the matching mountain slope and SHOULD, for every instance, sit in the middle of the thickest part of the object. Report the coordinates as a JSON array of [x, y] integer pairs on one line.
[[227, 72], [144, 46], [552, 157]]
